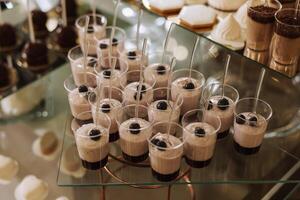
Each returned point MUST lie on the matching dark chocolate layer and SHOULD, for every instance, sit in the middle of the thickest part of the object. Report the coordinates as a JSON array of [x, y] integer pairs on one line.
[[197, 164], [165, 177], [82, 122], [287, 26], [135, 159], [245, 150], [222, 134], [114, 136], [94, 165], [262, 14]]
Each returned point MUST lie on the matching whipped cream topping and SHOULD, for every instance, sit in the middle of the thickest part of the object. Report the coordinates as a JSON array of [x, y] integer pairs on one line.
[[31, 188], [157, 115], [8, 169], [166, 4], [228, 32], [190, 14], [226, 5], [241, 15]]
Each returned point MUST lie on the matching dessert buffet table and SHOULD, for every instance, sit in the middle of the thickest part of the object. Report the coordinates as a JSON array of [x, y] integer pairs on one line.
[[229, 175]]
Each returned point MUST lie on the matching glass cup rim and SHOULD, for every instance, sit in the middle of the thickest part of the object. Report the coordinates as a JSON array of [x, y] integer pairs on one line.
[[90, 15], [253, 99], [207, 87], [114, 57], [93, 103], [203, 111], [167, 148], [285, 24], [122, 112], [71, 51], [71, 77], [128, 72], [106, 129], [166, 88], [119, 29], [202, 80], [277, 3]]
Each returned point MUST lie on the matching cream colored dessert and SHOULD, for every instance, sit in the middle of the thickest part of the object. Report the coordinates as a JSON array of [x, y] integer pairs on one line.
[[229, 33], [241, 16], [111, 107], [190, 90], [31, 188], [8, 169], [226, 5], [161, 110], [92, 145], [160, 75], [130, 95], [189, 15], [71, 163], [84, 75], [134, 135], [166, 6], [78, 101], [165, 155], [200, 139], [46, 146], [94, 31], [222, 107], [104, 48], [109, 78], [249, 130]]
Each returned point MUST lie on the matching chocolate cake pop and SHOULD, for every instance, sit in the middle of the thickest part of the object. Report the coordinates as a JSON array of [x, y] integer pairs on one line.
[[39, 20], [66, 37], [8, 36], [35, 54], [71, 8]]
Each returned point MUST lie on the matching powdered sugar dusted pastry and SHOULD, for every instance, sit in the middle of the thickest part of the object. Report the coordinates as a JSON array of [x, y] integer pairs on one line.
[[197, 16], [8, 169], [241, 16], [46, 146], [226, 5], [166, 6], [31, 188], [229, 33]]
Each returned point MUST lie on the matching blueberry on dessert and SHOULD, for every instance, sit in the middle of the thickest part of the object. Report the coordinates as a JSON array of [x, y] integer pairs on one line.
[[161, 70], [106, 74], [83, 89], [66, 37], [136, 94], [131, 55], [39, 20], [105, 108], [143, 89], [240, 119], [223, 104], [92, 62], [95, 134], [199, 132], [210, 105], [189, 86], [90, 29], [35, 54], [135, 128], [253, 121], [8, 36], [103, 46], [160, 144], [114, 42], [162, 105]]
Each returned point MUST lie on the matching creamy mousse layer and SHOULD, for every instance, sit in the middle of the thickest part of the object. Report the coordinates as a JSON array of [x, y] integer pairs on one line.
[[160, 74], [131, 94]]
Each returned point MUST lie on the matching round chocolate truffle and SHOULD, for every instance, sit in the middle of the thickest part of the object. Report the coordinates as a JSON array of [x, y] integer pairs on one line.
[[8, 36], [35, 54], [4, 75], [66, 37], [39, 20]]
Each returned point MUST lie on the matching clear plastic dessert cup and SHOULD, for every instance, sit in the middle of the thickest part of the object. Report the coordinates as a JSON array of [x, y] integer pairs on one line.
[[200, 137]]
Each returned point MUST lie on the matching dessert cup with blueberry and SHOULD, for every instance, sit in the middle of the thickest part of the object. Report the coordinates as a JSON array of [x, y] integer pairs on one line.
[[106, 47], [133, 58], [199, 137], [189, 87], [102, 105], [78, 100], [161, 108], [131, 89], [92, 141], [96, 30], [159, 67], [134, 130], [108, 75], [251, 121], [82, 74], [219, 100], [166, 151]]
